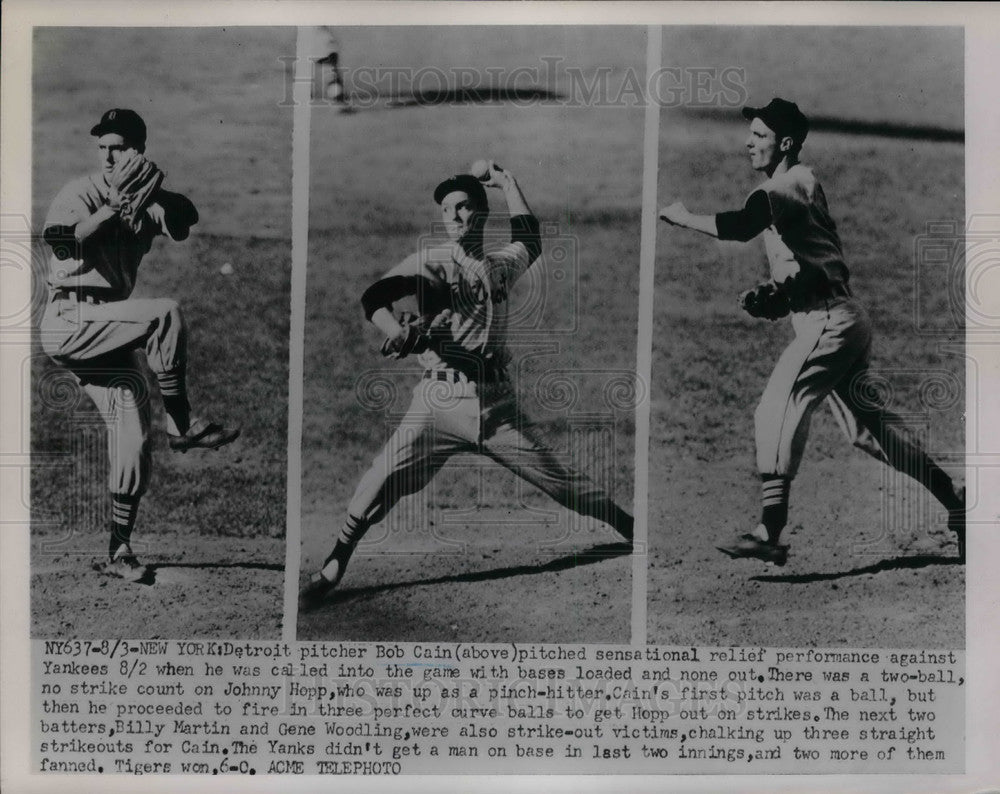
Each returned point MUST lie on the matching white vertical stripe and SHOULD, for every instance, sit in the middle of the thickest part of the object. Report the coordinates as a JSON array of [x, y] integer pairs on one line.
[[644, 346], [301, 119]]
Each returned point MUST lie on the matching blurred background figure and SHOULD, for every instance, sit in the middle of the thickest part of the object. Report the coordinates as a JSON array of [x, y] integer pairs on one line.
[[328, 80]]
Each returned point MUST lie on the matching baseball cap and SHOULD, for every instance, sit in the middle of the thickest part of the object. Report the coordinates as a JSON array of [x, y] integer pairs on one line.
[[124, 122], [468, 184], [783, 117]]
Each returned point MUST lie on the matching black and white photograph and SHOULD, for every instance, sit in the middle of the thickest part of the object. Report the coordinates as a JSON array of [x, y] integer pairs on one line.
[[461, 396], [808, 379], [161, 232], [470, 335]]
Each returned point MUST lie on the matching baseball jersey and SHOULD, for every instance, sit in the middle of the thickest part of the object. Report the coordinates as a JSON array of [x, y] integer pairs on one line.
[[802, 243], [479, 287], [108, 260]]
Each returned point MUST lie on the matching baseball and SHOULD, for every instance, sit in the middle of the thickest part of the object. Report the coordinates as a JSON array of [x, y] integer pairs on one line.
[[226, 269], [480, 170]]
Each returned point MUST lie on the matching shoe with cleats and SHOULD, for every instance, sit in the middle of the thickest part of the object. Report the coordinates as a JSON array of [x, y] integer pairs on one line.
[[204, 435], [124, 565], [752, 547], [320, 586]]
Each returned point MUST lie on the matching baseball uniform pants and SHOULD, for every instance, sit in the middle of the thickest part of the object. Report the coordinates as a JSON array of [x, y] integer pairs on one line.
[[827, 360], [446, 419], [98, 343]]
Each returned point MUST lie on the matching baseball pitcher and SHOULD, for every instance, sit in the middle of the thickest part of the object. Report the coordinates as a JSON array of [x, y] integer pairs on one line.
[[464, 402], [828, 358], [99, 228]]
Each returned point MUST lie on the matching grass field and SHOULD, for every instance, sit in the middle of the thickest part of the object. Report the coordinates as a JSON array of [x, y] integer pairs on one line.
[[213, 524], [872, 563], [894, 75], [475, 556]]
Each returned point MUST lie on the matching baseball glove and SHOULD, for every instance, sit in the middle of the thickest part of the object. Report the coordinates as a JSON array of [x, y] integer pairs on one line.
[[765, 300], [414, 341], [132, 185]]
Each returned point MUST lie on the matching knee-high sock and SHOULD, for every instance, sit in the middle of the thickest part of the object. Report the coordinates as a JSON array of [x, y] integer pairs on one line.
[[350, 536], [173, 389], [774, 504], [124, 509]]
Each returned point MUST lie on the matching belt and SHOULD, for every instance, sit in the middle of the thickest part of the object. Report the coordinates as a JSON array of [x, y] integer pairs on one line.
[[454, 376], [446, 375], [75, 295]]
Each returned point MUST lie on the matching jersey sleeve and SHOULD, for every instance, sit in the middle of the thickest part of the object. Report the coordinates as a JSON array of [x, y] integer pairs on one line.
[[68, 208], [504, 267], [413, 265], [787, 198], [745, 224], [508, 263], [525, 229], [386, 291]]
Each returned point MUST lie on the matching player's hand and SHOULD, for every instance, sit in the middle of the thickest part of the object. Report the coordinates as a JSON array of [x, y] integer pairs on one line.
[[498, 177], [117, 201], [125, 155], [133, 185], [767, 300], [411, 338], [675, 214], [397, 342]]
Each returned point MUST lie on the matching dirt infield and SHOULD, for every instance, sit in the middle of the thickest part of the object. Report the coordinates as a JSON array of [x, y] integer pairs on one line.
[[475, 557], [212, 526]]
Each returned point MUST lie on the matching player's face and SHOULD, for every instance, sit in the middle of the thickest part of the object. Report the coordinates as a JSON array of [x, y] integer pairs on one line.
[[112, 148], [763, 147], [460, 214]]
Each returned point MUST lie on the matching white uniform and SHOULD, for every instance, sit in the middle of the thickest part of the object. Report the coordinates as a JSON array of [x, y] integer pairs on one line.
[[829, 357], [94, 329], [465, 401]]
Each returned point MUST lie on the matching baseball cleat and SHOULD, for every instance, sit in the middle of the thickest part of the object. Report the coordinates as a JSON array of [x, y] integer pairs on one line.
[[318, 588], [315, 592], [751, 547], [956, 523], [325, 580], [204, 435], [125, 566]]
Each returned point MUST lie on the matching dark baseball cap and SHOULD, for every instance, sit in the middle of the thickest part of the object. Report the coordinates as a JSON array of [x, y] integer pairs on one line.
[[124, 122], [468, 184], [783, 117]]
